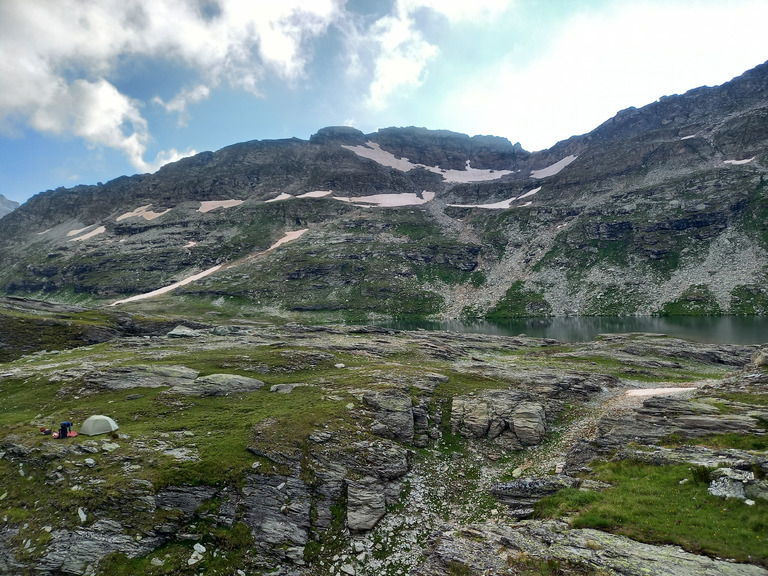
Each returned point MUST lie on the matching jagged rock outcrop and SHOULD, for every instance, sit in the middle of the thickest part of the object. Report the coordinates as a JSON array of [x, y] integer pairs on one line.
[[521, 494], [74, 550], [394, 414], [277, 510], [510, 418], [497, 549]]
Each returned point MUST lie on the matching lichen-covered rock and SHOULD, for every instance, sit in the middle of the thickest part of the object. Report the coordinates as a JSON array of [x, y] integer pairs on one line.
[[510, 418], [277, 510], [183, 332], [184, 498], [521, 494], [498, 548], [218, 385], [72, 551], [394, 414], [729, 483], [760, 358], [366, 503], [141, 376]]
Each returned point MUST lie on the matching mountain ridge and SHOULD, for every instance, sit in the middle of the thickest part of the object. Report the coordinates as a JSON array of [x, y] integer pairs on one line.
[[417, 222]]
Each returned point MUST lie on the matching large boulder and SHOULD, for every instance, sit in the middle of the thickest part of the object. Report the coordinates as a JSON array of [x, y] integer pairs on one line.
[[366, 503], [141, 376], [218, 385], [760, 358]]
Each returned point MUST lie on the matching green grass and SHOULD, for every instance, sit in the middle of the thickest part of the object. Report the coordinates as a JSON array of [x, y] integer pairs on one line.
[[694, 301], [749, 300], [731, 440], [745, 398], [519, 302], [649, 504]]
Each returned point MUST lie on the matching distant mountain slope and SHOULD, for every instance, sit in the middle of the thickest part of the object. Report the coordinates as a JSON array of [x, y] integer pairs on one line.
[[7, 206], [660, 209]]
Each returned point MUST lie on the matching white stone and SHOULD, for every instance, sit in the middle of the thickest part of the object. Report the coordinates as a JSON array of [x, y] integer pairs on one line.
[[749, 502], [81, 514], [199, 548], [90, 462]]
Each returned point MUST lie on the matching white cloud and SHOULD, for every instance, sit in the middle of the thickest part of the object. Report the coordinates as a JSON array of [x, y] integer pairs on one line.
[[603, 62], [58, 57], [403, 56], [401, 53], [180, 102], [459, 10]]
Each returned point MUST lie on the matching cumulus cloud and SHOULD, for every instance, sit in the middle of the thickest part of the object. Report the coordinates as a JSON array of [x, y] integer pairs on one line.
[[60, 58], [600, 63], [402, 54]]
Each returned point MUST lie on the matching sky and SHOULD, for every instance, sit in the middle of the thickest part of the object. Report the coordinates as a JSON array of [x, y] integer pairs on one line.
[[94, 89]]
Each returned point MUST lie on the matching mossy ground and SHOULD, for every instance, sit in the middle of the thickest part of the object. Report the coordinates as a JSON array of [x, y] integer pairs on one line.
[[333, 364], [653, 504]]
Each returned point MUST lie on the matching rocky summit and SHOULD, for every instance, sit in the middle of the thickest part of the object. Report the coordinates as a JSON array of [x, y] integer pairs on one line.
[[660, 210], [221, 313]]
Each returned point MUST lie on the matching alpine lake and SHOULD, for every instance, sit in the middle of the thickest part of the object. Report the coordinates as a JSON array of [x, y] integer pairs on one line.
[[710, 329]]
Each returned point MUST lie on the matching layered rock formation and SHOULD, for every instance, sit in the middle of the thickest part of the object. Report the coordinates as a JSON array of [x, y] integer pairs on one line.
[[410, 222]]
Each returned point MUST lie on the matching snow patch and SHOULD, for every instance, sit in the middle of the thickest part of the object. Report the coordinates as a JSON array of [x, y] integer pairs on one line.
[[688, 137], [529, 193], [91, 234], [373, 151], [390, 200], [503, 205], [79, 231], [283, 196], [554, 168], [315, 194], [190, 244], [44, 231], [287, 238], [170, 287], [747, 161], [142, 211], [209, 205]]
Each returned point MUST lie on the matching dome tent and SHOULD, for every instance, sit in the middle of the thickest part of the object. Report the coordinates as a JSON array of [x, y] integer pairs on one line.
[[98, 424]]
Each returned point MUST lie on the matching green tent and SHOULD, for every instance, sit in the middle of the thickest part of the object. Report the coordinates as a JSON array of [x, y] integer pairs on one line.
[[98, 424]]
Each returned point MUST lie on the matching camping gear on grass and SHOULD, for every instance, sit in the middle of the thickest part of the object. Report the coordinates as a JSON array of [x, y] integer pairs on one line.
[[70, 434], [98, 424]]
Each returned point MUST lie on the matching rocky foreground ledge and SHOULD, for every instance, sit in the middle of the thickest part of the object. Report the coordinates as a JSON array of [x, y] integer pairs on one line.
[[252, 449]]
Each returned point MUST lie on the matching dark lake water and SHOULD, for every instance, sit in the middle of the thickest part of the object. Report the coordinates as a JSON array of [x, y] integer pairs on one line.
[[722, 330]]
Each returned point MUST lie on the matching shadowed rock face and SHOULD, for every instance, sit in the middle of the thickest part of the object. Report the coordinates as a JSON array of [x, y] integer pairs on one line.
[[661, 210]]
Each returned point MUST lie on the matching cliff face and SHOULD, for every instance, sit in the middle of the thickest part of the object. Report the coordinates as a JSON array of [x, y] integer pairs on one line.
[[658, 210]]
